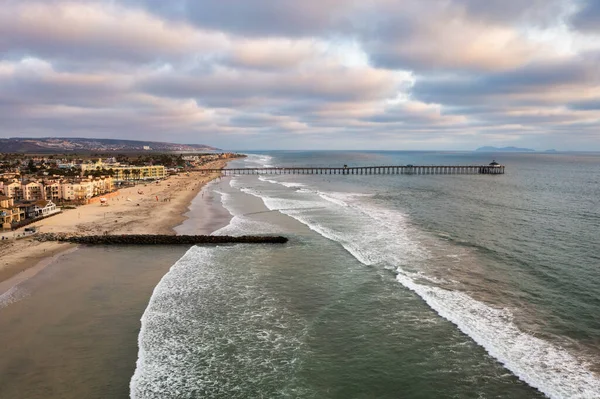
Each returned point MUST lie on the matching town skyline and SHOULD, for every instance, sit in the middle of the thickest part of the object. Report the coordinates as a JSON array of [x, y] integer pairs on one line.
[[337, 74]]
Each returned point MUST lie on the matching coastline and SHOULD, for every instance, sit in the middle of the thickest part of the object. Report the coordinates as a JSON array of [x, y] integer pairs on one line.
[[85, 308], [142, 209]]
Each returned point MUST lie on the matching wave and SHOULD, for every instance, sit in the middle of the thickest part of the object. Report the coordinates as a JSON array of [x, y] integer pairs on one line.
[[547, 367], [153, 372], [283, 183], [14, 294], [196, 314], [382, 237], [377, 237], [241, 223], [262, 178]]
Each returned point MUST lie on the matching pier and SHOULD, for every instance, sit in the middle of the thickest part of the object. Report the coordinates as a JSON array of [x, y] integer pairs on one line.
[[491, 169]]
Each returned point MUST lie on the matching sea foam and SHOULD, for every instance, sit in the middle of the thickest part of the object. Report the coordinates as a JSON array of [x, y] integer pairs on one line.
[[14, 294], [379, 236], [382, 237]]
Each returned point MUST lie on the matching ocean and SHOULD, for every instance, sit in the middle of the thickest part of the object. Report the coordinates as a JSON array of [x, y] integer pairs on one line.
[[391, 286]]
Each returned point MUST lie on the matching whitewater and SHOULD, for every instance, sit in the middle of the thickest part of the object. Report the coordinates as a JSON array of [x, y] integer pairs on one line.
[[380, 238]]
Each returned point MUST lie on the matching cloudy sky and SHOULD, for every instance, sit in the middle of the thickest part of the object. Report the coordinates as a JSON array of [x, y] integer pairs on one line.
[[292, 74]]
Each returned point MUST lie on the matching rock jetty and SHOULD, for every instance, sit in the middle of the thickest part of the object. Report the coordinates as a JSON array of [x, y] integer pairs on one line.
[[158, 239]]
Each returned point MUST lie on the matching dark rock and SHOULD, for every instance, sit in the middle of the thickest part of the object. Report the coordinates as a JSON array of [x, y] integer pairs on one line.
[[159, 239]]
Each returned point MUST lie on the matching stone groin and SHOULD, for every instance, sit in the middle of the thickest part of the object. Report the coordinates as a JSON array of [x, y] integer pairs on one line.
[[158, 239]]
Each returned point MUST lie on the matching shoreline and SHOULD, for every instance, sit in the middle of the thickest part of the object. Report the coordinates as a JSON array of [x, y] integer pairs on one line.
[[206, 214], [142, 209], [85, 307]]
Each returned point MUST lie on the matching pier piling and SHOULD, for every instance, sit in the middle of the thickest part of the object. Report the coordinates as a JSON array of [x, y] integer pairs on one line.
[[491, 169]]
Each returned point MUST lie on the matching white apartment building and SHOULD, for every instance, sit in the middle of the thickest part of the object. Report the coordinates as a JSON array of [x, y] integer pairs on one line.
[[77, 191]]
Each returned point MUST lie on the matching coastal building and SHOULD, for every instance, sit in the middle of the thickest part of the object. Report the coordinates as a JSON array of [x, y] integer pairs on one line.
[[35, 209], [125, 172], [27, 208], [9, 213], [153, 172], [52, 189], [32, 191], [78, 189], [6, 202], [86, 168], [11, 189], [43, 209], [102, 185]]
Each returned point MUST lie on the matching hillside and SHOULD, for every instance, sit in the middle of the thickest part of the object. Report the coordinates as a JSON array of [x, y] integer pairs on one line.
[[64, 144]]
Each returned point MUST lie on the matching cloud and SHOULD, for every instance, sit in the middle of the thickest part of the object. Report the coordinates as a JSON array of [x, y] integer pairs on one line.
[[533, 12], [421, 34], [458, 46], [416, 114], [459, 35], [258, 18], [273, 54], [587, 18], [586, 105], [538, 83], [35, 81], [97, 31], [289, 74], [331, 83]]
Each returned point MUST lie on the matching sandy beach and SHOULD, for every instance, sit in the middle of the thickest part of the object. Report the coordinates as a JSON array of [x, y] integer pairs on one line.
[[70, 316], [144, 209]]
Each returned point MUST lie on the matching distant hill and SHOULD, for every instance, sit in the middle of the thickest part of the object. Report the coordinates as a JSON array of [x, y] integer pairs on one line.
[[503, 149], [68, 144]]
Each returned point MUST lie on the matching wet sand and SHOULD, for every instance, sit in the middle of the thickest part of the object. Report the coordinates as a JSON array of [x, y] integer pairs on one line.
[[206, 211], [145, 208], [73, 333], [70, 329]]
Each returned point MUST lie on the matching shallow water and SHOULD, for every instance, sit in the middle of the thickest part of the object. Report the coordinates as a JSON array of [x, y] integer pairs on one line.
[[391, 286], [70, 331]]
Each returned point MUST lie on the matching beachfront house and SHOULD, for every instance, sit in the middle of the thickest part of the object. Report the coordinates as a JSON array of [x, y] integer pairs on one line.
[[27, 208], [9, 213], [42, 209]]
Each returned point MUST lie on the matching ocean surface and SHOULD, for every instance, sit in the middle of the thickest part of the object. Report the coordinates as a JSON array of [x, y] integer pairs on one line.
[[392, 286]]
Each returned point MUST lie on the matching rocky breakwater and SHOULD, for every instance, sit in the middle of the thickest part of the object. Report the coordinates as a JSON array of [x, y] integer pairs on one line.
[[158, 239]]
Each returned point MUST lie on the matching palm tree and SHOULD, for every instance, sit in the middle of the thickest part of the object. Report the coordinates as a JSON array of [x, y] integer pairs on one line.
[[126, 173]]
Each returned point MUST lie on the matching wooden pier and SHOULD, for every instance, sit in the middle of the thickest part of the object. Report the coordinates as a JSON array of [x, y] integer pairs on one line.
[[491, 169]]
